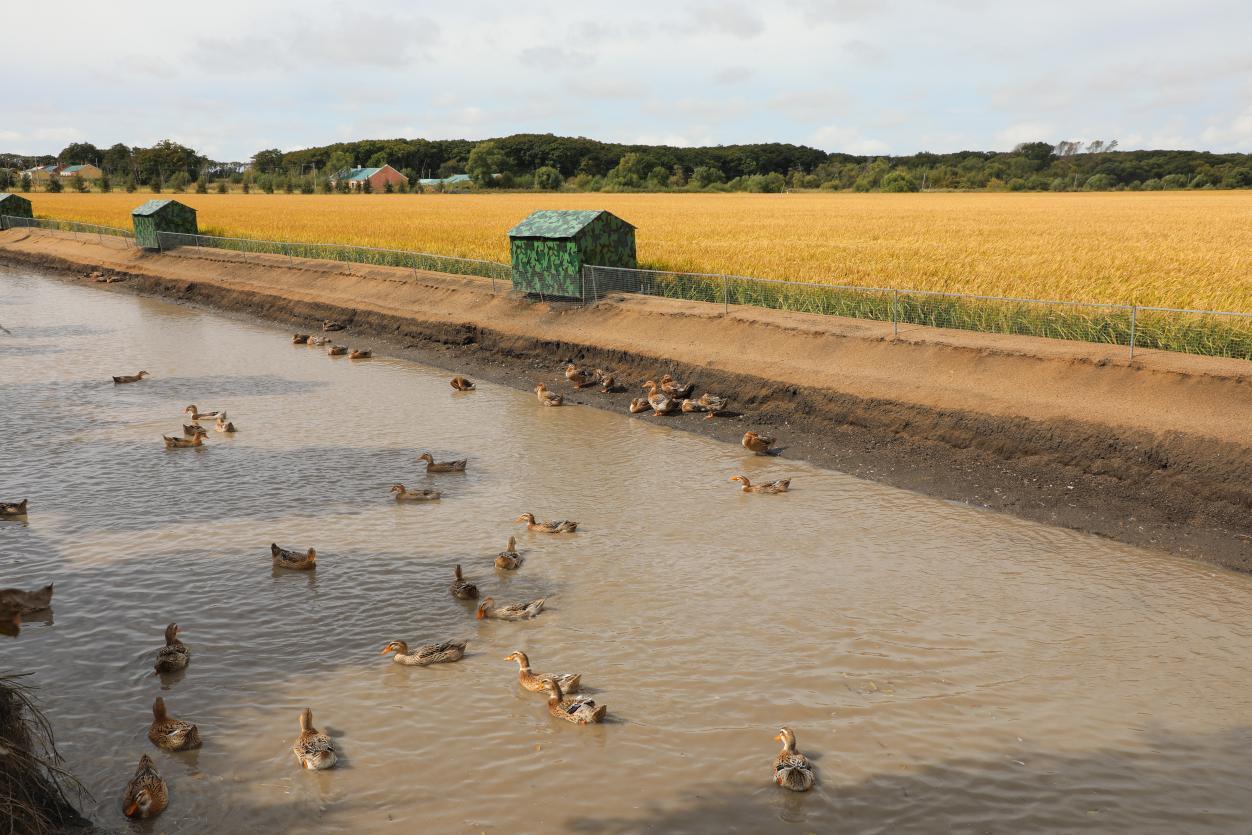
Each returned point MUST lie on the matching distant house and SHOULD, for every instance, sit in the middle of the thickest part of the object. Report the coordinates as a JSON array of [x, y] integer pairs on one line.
[[376, 177], [453, 180], [86, 172], [42, 172]]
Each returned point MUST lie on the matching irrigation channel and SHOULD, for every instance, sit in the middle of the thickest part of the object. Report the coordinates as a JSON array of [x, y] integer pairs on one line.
[[948, 669]]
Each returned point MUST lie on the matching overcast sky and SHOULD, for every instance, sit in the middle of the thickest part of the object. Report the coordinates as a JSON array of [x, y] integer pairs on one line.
[[861, 76]]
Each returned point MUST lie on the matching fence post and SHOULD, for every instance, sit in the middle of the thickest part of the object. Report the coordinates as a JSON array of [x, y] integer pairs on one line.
[[895, 316], [725, 296], [1134, 316]]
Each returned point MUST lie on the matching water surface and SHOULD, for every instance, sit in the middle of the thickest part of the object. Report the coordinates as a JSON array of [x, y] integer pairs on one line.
[[948, 669]]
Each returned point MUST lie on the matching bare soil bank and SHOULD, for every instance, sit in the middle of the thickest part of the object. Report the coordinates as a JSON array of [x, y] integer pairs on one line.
[[1156, 453]]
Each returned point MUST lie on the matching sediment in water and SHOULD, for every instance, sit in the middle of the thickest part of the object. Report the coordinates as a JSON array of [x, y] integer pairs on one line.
[[1154, 452]]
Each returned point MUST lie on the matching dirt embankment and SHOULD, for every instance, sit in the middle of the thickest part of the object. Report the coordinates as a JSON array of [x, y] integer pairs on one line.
[[1157, 452]]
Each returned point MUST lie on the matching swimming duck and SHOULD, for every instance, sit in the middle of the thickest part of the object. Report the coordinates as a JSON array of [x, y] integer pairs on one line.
[[548, 398], [444, 653], [639, 404], [759, 444], [171, 734], [174, 656], [580, 378], [661, 404], [173, 442], [462, 384], [764, 487], [361, 354], [313, 749], [792, 770], [509, 611], [328, 325], [581, 710], [9, 509], [299, 339], [336, 350], [293, 559], [194, 413], [224, 425], [463, 589], [555, 526], [676, 390], [433, 466], [191, 430], [26, 602], [534, 682], [319, 340], [146, 795], [130, 378], [509, 559], [403, 494]]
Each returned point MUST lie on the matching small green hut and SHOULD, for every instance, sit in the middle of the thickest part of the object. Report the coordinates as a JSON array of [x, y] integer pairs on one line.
[[13, 205], [162, 216], [550, 247]]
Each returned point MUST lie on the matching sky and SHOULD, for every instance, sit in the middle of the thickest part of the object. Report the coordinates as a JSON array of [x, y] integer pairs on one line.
[[859, 76]]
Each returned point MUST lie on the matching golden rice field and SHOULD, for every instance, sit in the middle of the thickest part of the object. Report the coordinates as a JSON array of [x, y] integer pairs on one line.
[[1176, 249]]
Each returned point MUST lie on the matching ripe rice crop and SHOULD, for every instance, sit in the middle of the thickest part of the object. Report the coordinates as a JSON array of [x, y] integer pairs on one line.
[[1170, 249]]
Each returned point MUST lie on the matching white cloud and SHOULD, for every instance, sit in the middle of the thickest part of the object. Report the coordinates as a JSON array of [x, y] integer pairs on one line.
[[847, 140]]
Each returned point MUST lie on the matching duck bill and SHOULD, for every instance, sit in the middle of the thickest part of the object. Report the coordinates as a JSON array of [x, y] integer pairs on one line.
[[131, 810]]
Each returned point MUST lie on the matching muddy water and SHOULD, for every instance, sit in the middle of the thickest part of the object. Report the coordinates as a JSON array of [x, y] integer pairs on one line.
[[948, 669]]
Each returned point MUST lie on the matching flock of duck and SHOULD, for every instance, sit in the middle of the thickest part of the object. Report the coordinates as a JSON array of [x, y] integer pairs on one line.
[[147, 793]]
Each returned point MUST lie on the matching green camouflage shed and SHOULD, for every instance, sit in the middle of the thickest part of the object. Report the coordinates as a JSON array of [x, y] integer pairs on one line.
[[162, 216], [549, 248], [13, 205]]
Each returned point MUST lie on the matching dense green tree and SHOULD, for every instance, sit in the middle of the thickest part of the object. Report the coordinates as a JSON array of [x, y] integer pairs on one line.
[[54, 184], [485, 161], [80, 153], [267, 161], [117, 160], [548, 178]]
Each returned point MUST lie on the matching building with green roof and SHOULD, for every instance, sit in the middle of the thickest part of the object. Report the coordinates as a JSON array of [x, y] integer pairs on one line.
[[550, 247], [13, 205], [157, 216]]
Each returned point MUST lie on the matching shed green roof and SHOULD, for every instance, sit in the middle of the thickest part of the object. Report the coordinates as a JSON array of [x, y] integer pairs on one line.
[[152, 207], [556, 223]]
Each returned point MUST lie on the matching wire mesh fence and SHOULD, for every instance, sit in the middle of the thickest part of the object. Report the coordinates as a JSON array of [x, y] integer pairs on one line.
[[341, 252], [1213, 333], [110, 234]]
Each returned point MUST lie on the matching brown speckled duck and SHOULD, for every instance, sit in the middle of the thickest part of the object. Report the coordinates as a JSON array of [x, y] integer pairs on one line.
[[293, 560], [13, 509], [404, 494], [433, 466], [555, 526], [174, 656], [763, 487], [313, 749], [581, 710], [174, 442], [171, 734], [26, 602], [193, 412], [548, 398], [759, 444], [300, 339], [360, 354], [130, 378], [461, 588], [792, 770], [146, 795], [443, 653], [509, 559], [534, 682], [462, 384], [579, 377], [509, 611]]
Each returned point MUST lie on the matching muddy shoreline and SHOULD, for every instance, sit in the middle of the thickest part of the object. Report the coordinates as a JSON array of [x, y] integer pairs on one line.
[[1172, 491]]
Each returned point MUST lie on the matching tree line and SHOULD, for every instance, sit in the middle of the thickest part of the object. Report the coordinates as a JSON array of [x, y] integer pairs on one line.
[[548, 162]]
